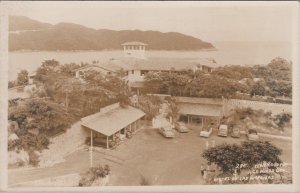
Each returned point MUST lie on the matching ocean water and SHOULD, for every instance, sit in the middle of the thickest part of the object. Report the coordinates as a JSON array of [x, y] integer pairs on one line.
[[237, 53]]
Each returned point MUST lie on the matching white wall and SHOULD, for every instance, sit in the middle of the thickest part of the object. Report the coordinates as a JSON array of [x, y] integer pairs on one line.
[[135, 53], [136, 76]]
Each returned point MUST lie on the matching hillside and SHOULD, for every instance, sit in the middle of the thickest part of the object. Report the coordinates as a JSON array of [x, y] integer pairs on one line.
[[33, 35], [20, 23]]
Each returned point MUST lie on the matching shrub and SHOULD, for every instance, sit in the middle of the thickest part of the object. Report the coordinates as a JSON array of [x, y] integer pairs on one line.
[[93, 174], [243, 113], [282, 119]]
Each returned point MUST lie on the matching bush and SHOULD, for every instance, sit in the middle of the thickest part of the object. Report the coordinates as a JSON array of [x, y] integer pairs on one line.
[[282, 119], [93, 174], [244, 113]]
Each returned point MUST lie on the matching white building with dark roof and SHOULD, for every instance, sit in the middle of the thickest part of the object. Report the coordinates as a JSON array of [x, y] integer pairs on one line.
[[137, 65]]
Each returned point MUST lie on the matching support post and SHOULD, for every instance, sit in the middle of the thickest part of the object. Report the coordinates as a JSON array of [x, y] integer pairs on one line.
[[91, 150], [202, 121], [107, 142]]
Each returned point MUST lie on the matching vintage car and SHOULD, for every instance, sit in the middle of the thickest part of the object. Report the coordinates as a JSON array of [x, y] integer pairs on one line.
[[206, 132], [252, 135], [166, 132], [223, 130], [181, 127], [235, 132]]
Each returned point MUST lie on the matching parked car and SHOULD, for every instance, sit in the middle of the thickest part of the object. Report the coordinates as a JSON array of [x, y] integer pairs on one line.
[[252, 135], [181, 127], [166, 132], [223, 130], [206, 132], [236, 132]]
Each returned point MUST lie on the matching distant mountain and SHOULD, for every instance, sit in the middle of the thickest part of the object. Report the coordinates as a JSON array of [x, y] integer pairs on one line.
[[21, 23], [28, 34]]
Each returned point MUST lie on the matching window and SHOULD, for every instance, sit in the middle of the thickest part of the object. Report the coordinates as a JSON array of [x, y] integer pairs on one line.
[[132, 71], [144, 72]]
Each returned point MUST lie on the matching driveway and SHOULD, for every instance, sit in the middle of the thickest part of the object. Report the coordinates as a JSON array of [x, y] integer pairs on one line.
[[146, 158]]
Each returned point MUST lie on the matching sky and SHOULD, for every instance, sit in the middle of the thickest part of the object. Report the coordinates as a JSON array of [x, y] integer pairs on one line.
[[224, 21]]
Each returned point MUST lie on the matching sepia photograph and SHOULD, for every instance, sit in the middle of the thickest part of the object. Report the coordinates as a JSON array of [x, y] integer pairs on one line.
[[150, 94]]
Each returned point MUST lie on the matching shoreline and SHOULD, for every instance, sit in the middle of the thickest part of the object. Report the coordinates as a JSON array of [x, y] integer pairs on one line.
[[109, 50]]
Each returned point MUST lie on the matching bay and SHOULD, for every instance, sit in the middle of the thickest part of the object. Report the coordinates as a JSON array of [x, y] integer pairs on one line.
[[227, 53]]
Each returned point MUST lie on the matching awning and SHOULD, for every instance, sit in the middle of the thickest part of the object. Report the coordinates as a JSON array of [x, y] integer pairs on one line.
[[113, 120], [210, 110]]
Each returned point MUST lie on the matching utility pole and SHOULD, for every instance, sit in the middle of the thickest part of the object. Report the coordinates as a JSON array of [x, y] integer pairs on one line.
[[91, 150]]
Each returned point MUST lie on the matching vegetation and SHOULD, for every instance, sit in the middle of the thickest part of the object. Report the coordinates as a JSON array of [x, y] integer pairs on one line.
[[258, 89], [262, 121], [82, 98], [277, 76], [22, 79], [173, 108], [37, 121], [60, 101], [94, 173], [274, 80], [282, 119], [150, 105], [230, 157], [189, 83]]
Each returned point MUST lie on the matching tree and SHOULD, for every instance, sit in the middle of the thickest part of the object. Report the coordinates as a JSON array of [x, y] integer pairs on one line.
[[68, 69], [282, 119], [229, 157], [173, 108], [258, 89], [234, 72], [48, 69], [281, 69], [258, 152], [150, 105], [12, 84], [22, 77]]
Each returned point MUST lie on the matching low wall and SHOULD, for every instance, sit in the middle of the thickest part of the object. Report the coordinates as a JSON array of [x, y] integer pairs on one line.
[[230, 104], [63, 144]]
